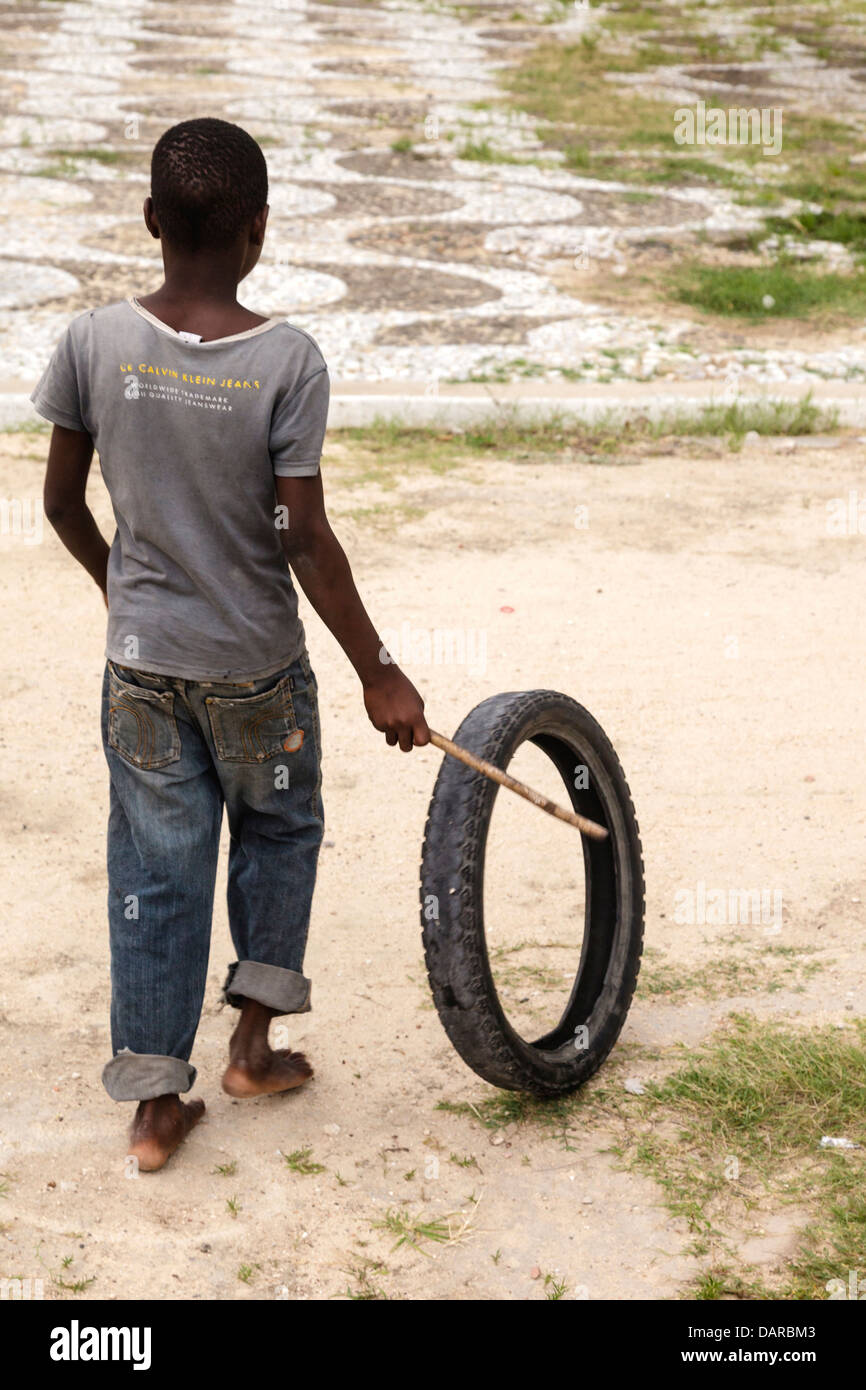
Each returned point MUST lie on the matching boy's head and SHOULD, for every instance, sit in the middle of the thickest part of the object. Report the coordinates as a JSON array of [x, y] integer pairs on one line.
[[209, 188]]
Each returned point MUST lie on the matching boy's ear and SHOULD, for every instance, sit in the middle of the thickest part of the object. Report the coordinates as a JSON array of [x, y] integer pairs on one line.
[[150, 221], [258, 224]]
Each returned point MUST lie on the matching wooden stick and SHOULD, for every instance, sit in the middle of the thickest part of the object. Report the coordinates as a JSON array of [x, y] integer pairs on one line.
[[587, 827]]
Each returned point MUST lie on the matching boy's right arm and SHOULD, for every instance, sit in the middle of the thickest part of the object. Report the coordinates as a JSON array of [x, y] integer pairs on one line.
[[319, 563], [69, 457]]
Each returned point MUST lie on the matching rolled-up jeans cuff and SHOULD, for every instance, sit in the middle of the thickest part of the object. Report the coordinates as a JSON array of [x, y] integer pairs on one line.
[[146, 1075], [287, 991]]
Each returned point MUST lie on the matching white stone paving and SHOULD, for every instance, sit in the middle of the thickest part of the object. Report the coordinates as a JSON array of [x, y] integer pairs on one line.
[[80, 72]]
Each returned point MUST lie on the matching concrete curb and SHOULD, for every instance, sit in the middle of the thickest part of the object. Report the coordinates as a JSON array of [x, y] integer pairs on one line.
[[358, 403]]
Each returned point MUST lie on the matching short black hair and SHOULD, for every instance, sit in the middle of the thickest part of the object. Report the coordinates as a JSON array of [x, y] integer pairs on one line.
[[208, 179]]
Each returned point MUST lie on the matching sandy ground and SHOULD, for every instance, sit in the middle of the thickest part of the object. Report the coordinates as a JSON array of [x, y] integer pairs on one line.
[[715, 629]]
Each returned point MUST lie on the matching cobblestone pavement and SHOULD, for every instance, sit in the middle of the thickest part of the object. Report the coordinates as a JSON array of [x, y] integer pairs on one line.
[[404, 264]]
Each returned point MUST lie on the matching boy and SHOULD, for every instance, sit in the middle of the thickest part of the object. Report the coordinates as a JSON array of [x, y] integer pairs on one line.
[[209, 421]]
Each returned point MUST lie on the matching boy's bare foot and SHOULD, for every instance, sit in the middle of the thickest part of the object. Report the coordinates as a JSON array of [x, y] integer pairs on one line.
[[254, 1069], [280, 1071], [159, 1127]]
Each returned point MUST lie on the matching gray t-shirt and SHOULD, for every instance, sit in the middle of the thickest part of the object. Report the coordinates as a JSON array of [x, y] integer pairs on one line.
[[189, 436]]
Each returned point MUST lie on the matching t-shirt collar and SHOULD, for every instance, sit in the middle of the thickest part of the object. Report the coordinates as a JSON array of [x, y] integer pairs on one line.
[[212, 342]]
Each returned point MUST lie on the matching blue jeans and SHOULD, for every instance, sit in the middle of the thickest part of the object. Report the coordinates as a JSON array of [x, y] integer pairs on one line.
[[177, 752]]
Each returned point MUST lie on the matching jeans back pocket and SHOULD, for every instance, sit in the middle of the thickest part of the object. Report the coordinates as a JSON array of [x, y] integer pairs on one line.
[[141, 724], [253, 728]]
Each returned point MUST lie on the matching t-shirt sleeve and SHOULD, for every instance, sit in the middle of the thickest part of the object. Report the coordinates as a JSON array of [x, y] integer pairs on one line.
[[298, 427], [57, 395]]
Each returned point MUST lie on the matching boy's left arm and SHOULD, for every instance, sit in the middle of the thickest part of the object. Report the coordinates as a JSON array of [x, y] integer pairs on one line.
[[69, 458], [320, 566]]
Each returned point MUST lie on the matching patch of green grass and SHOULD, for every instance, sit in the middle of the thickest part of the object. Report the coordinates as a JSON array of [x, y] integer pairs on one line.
[[556, 1118], [628, 17], [734, 1130], [95, 152], [682, 170], [738, 418], [836, 187], [729, 975], [513, 973], [388, 514], [569, 86], [565, 87], [27, 427], [578, 157], [846, 228], [62, 169], [413, 1230], [67, 162], [365, 1291], [554, 1289], [504, 1108], [785, 289], [607, 131], [483, 152], [299, 1161], [709, 1286], [393, 447], [766, 1091], [226, 1170], [507, 370], [77, 1286], [764, 1095], [468, 1161]]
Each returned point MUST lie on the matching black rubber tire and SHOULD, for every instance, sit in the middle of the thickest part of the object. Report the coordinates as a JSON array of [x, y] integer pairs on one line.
[[452, 886]]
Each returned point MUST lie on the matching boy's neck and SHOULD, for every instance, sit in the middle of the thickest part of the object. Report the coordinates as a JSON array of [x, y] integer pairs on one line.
[[212, 311]]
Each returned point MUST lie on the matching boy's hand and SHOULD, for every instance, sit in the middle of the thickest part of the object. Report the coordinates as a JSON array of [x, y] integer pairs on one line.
[[396, 709]]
